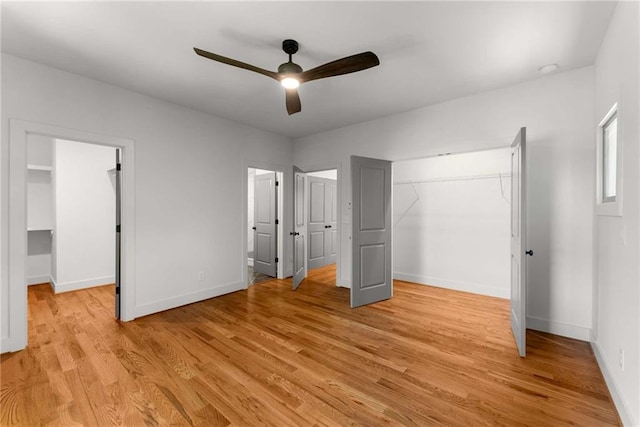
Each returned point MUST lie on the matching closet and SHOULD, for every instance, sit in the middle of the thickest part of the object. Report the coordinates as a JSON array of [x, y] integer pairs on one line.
[[70, 213]]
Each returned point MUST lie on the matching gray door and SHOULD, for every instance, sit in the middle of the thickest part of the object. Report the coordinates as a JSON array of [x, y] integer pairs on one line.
[[264, 233], [519, 242], [322, 222], [299, 228], [371, 231], [118, 203]]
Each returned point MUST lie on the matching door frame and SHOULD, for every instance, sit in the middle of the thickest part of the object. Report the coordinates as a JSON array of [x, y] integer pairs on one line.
[[284, 265], [339, 180], [18, 133]]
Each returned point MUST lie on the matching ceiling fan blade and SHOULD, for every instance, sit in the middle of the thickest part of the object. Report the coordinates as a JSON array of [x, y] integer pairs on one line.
[[293, 101], [347, 65], [235, 63]]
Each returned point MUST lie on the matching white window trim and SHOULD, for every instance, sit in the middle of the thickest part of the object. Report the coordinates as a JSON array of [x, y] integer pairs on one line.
[[613, 208]]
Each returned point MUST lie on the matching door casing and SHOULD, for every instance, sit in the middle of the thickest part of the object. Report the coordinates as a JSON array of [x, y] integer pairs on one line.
[[18, 133]]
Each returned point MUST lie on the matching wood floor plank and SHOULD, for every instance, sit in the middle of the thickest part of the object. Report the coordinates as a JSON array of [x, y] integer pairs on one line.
[[273, 356]]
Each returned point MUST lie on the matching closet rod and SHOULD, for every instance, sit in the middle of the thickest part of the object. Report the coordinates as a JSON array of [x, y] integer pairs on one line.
[[456, 178]]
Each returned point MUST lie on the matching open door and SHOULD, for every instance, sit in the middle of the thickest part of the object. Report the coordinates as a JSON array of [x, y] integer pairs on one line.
[[371, 231], [265, 224], [118, 202], [519, 242], [299, 228]]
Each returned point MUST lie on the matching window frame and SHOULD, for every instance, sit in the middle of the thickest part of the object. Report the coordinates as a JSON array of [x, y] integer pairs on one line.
[[608, 206]]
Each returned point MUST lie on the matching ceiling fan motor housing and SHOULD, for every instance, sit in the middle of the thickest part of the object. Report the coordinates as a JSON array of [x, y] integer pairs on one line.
[[290, 46], [289, 68]]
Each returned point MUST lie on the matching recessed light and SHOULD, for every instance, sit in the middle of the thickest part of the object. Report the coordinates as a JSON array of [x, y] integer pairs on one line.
[[549, 68]]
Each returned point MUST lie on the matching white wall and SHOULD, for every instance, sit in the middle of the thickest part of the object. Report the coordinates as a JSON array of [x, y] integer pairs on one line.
[[617, 253], [190, 171], [558, 113], [451, 220], [85, 215]]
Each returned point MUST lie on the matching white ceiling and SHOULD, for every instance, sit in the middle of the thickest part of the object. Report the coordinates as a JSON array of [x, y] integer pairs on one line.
[[429, 51]]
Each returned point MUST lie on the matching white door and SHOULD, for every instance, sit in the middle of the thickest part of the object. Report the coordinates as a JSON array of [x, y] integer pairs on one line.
[[299, 228], [371, 231], [322, 222], [264, 230], [519, 242]]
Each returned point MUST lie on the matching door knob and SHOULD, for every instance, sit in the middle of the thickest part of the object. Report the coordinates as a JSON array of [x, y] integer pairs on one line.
[[294, 233], [253, 228], [327, 226], [529, 252]]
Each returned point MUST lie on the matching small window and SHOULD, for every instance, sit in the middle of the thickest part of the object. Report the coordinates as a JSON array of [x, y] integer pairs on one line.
[[609, 166], [609, 159]]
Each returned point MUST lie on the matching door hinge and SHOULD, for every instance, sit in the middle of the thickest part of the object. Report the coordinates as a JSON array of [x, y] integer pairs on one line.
[[277, 222], [117, 228], [118, 166], [276, 259], [277, 183], [117, 290]]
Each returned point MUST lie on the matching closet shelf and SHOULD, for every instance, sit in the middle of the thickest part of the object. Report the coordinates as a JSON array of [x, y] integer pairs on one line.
[[39, 168], [39, 228]]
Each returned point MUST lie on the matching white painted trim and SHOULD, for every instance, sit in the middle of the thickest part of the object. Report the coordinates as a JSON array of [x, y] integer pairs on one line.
[[38, 280], [18, 132], [609, 208], [559, 328], [167, 304], [476, 288], [82, 284], [250, 262], [623, 409]]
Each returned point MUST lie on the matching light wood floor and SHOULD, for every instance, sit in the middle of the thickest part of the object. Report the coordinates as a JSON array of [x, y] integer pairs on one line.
[[271, 356]]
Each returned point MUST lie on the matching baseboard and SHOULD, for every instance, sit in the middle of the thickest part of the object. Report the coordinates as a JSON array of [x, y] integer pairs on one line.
[[169, 303], [438, 282], [38, 280], [250, 262], [81, 284], [618, 401], [559, 328], [7, 345]]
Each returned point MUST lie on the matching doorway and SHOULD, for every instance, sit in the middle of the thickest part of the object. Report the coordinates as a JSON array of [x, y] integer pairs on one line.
[[72, 190], [316, 229], [322, 219], [264, 230], [20, 131], [451, 218]]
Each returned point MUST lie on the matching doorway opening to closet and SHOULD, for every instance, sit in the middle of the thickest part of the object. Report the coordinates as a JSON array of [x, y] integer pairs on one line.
[[72, 215], [451, 221], [264, 225]]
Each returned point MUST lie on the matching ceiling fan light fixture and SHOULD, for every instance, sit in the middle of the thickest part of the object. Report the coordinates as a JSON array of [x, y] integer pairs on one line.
[[290, 83]]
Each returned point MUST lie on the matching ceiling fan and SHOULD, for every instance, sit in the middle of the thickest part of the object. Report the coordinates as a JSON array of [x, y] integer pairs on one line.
[[291, 75]]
